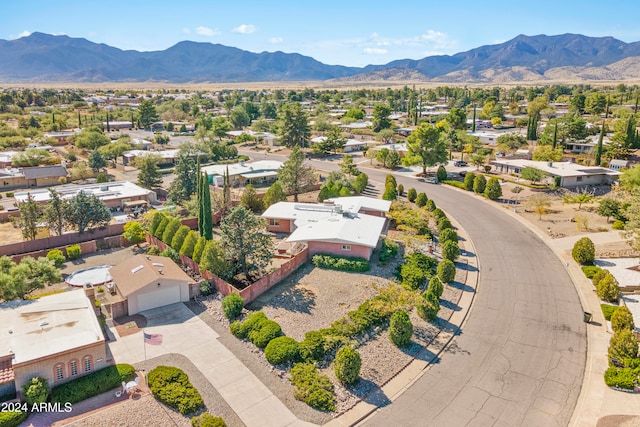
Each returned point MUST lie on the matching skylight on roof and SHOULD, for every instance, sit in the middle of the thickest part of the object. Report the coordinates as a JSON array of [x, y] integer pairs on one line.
[[138, 268]]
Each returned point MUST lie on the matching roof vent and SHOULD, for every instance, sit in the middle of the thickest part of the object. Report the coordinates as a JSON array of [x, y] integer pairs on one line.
[[138, 268], [160, 271], [158, 264], [43, 323]]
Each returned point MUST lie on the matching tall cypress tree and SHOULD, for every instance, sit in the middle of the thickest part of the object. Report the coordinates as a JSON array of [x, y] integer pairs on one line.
[[555, 137], [207, 221], [599, 146], [473, 125], [606, 109], [108, 127], [199, 197]]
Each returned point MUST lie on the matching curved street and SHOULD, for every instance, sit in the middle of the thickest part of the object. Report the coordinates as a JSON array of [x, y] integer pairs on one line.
[[520, 357]]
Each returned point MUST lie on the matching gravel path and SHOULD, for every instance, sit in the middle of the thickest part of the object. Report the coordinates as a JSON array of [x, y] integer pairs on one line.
[[146, 410]]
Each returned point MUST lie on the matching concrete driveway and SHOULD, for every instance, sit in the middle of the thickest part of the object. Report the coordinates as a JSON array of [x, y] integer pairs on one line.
[[184, 333]]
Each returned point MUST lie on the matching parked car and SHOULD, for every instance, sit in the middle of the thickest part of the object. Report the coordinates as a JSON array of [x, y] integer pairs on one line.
[[459, 163]]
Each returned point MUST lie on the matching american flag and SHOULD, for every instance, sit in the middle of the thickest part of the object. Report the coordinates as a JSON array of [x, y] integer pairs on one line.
[[153, 339]]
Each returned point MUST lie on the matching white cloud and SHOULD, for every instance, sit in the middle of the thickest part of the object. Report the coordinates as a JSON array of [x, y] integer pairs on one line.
[[245, 29], [374, 51], [276, 40], [206, 31], [25, 33]]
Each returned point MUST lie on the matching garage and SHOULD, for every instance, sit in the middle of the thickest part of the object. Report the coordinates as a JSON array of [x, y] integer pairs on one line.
[[156, 298]]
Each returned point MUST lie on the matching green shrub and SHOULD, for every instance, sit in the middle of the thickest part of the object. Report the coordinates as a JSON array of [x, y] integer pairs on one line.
[[253, 321], [400, 189], [446, 271], [73, 252], [421, 200], [57, 257], [205, 288], [400, 328], [598, 276], [159, 231], [435, 287], [155, 222], [584, 251], [444, 224], [469, 179], [438, 213], [412, 276], [93, 384], [624, 378], [347, 365], [429, 307], [172, 387], [35, 391], [333, 262], [153, 250], [493, 190], [608, 288], [479, 184], [441, 173], [9, 193], [617, 225], [590, 270], [179, 236], [608, 310], [448, 234], [232, 305], [207, 420], [282, 350], [366, 316], [12, 419], [171, 253], [388, 250], [312, 387], [622, 319], [623, 345], [268, 330], [312, 346], [390, 193], [412, 194], [455, 183], [450, 250], [431, 205]]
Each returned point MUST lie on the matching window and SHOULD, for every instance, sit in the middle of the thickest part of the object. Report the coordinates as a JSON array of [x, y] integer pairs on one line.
[[578, 178], [59, 372], [87, 363], [73, 368], [346, 247], [274, 221]]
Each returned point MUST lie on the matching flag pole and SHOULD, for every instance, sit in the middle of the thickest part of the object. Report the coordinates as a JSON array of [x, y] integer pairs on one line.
[[144, 343]]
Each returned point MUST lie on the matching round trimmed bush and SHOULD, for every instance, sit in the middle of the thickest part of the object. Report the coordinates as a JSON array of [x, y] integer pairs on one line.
[[429, 307], [479, 184], [207, 420], [450, 250], [347, 365], [617, 225], [232, 305], [400, 189], [421, 199], [623, 345], [431, 205], [435, 287], [584, 251], [608, 288], [253, 321], [441, 174], [400, 328], [412, 194], [446, 271], [443, 224], [448, 234], [313, 346], [622, 319], [282, 350], [268, 331], [57, 257], [469, 179], [73, 252], [598, 275]]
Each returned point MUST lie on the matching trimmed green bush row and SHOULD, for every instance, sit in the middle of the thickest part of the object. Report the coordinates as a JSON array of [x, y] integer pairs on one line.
[[331, 262], [12, 419], [624, 378], [93, 384], [207, 420], [172, 387], [258, 328]]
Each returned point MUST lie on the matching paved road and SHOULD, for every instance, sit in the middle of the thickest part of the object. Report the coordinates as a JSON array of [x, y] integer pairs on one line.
[[520, 358]]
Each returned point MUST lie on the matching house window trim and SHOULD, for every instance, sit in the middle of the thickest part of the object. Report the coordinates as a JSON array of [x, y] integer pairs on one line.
[[71, 364], [61, 376], [346, 248], [274, 222], [86, 359]]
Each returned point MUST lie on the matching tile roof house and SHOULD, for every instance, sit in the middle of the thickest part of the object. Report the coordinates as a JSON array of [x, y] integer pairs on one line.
[[56, 337], [344, 226]]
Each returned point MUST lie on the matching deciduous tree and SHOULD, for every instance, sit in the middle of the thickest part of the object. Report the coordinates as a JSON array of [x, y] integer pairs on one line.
[[426, 147]]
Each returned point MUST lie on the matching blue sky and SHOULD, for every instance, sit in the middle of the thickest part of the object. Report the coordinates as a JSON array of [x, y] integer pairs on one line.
[[352, 33]]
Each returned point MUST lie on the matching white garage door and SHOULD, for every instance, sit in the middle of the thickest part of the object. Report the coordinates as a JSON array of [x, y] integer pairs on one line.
[[158, 298]]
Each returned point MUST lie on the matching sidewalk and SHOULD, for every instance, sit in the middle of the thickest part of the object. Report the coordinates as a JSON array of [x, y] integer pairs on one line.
[[184, 333], [408, 376]]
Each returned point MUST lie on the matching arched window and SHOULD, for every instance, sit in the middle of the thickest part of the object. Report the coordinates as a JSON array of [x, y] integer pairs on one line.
[[58, 372], [87, 363], [73, 367]]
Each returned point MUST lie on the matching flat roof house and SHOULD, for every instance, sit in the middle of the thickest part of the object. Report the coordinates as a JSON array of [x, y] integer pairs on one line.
[[570, 174], [37, 176], [56, 337], [242, 173], [344, 226]]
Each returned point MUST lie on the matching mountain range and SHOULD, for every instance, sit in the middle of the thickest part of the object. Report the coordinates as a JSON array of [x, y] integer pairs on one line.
[[43, 58]]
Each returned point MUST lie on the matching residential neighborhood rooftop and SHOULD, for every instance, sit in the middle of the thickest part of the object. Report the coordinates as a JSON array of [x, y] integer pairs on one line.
[[243, 168], [141, 270], [104, 191], [30, 329], [558, 168]]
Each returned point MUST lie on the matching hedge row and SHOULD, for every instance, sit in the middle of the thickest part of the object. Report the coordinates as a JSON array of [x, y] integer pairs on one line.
[[332, 262], [172, 387], [12, 419], [625, 378], [93, 384], [258, 328]]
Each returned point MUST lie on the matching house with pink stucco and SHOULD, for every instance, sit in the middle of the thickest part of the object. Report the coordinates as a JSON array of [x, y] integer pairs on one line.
[[344, 226]]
